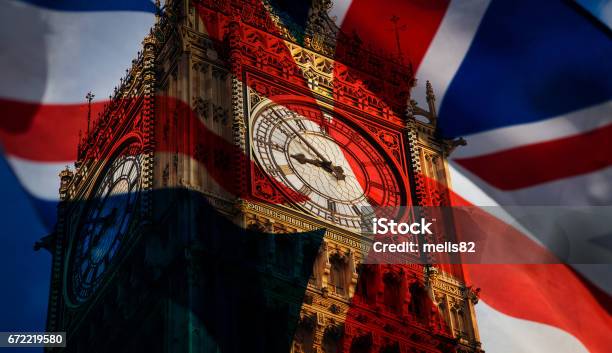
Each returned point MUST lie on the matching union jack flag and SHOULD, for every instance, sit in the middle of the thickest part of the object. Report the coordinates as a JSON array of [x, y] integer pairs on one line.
[[526, 84]]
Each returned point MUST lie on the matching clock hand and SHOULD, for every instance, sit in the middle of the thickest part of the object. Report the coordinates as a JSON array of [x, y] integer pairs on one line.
[[300, 157], [327, 165], [337, 171], [105, 220], [321, 157]]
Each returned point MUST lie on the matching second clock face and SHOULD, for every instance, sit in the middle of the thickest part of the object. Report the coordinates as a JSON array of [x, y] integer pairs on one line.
[[105, 224], [342, 175]]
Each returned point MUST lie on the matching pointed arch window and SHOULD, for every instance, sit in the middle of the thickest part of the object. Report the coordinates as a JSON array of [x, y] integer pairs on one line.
[[366, 288], [417, 302], [392, 292], [458, 321], [338, 274], [361, 344], [331, 339]]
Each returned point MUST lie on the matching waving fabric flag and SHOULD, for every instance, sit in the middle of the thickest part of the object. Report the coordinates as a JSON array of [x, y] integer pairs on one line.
[[527, 84], [54, 52]]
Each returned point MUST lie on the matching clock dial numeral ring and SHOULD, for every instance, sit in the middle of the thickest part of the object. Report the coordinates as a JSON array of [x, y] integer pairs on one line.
[[326, 160]]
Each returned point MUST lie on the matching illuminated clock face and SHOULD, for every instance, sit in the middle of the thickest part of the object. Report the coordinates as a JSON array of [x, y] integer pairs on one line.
[[341, 174], [105, 224]]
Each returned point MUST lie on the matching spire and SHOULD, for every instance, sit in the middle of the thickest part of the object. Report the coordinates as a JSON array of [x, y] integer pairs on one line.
[[89, 98], [397, 28], [431, 100], [158, 10]]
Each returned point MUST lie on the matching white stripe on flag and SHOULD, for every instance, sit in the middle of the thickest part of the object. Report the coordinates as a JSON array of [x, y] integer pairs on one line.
[[448, 48], [339, 10], [570, 124], [58, 56], [41, 180], [569, 192], [581, 190], [500, 333]]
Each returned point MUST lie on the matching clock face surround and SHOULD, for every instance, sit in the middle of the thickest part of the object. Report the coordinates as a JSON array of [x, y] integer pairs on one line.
[[105, 224], [321, 157]]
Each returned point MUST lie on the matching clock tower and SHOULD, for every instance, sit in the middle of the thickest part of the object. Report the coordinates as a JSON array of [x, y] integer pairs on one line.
[[217, 202]]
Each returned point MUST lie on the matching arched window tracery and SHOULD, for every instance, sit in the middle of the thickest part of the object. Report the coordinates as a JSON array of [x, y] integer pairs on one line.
[[338, 274]]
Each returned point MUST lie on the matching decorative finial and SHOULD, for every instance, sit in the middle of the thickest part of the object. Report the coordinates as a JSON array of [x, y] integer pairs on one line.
[[429, 90], [90, 96], [410, 108], [431, 101], [66, 176], [431, 274]]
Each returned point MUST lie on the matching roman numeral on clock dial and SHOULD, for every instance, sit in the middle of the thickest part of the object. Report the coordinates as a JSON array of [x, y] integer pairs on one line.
[[285, 169], [331, 205], [305, 190], [300, 124], [275, 146]]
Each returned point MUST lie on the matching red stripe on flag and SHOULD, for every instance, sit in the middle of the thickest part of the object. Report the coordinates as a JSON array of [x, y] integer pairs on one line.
[[551, 294], [50, 133], [543, 162], [43, 132], [418, 22], [371, 34]]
